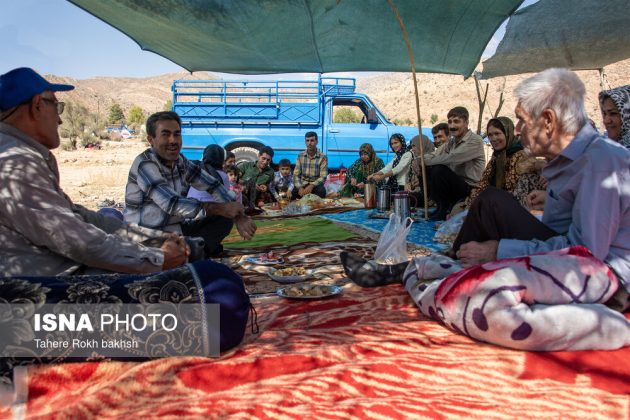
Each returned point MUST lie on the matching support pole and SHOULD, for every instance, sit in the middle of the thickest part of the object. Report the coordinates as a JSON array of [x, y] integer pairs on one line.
[[415, 87], [603, 79]]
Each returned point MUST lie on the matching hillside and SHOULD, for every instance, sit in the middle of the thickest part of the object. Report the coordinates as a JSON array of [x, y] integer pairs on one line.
[[438, 93], [392, 92], [100, 93]]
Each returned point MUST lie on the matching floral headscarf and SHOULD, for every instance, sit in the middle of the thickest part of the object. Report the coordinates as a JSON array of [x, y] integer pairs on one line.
[[512, 145], [621, 97], [368, 166]]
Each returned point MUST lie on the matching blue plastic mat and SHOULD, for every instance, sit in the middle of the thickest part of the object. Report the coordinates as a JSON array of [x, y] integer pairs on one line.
[[421, 233]]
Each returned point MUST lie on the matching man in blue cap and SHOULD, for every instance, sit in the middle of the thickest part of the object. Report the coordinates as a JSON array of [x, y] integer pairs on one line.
[[47, 240], [42, 232]]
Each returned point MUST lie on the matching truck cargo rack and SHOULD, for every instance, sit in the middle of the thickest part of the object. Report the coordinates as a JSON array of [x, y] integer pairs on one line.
[[252, 102]]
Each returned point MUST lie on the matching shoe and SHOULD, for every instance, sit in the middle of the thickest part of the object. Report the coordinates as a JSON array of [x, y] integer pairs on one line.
[[252, 211], [370, 274]]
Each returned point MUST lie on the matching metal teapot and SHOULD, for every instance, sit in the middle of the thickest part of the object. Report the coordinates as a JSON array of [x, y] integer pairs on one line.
[[401, 205], [383, 198]]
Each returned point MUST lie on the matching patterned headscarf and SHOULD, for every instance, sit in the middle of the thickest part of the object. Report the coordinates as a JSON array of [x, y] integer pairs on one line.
[[621, 97], [368, 166], [404, 149], [512, 145]]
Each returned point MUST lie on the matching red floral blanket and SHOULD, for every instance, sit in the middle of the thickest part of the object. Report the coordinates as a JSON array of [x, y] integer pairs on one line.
[[368, 354]]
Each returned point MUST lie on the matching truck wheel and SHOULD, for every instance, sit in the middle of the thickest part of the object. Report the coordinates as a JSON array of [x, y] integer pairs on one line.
[[245, 154]]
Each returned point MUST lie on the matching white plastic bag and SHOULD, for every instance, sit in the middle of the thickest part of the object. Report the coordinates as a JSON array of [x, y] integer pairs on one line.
[[333, 186], [448, 231], [392, 244]]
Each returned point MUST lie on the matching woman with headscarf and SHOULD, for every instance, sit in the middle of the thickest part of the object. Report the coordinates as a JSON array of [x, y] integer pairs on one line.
[[509, 169], [397, 170], [615, 107], [360, 170], [212, 162], [507, 165]]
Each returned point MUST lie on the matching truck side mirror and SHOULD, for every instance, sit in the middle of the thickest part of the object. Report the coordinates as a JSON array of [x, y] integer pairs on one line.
[[371, 116]]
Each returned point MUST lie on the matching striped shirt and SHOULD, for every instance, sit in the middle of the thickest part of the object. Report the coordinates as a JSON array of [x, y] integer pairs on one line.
[[155, 196], [310, 170]]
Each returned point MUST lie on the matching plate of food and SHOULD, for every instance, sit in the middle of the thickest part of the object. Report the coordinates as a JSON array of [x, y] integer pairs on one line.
[[290, 274], [270, 258], [308, 291]]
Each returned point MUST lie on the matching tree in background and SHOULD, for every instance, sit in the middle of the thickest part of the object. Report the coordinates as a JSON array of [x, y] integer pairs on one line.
[[116, 115], [168, 105], [434, 118], [136, 117], [345, 115], [75, 119]]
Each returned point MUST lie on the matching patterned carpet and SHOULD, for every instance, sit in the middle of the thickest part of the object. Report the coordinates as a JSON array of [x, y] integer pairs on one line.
[[321, 258], [368, 353], [421, 233], [365, 354]]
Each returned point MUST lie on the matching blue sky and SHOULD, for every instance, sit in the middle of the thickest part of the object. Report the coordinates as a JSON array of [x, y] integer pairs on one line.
[[56, 37]]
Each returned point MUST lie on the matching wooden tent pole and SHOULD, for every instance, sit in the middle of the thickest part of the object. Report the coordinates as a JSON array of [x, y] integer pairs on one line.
[[415, 87]]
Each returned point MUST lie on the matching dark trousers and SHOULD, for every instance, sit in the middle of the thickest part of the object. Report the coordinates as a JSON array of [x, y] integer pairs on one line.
[[254, 196], [497, 215], [212, 229], [319, 191], [446, 187]]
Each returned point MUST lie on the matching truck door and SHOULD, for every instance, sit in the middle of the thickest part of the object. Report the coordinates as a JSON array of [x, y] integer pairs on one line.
[[348, 128]]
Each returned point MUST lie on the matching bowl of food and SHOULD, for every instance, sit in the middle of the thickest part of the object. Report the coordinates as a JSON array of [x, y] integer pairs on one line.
[[308, 291], [290, 274], [282, 202]]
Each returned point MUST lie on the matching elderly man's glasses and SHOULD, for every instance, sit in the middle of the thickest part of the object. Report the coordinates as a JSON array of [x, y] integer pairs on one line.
[[60, 105]]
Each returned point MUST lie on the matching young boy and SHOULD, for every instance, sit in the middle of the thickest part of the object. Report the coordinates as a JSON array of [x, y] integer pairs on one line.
[[230, 159], [282, 184]]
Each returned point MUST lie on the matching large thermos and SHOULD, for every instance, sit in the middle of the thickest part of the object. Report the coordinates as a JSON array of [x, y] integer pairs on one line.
[[401, 204], [383, 198], [369, 195]]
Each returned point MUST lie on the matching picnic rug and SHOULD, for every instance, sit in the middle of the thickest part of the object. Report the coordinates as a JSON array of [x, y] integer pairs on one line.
[[421, 233], [288, 232], [365, 354], [322, 259], [310, 242]]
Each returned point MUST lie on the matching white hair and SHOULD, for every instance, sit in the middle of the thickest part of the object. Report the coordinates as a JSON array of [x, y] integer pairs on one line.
[[557, 89]]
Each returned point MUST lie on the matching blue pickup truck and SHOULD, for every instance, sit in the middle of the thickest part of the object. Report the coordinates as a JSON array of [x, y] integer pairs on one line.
[[242, 116]]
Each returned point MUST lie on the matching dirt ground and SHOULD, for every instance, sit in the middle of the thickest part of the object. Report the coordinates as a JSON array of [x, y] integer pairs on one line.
[[90, 176]]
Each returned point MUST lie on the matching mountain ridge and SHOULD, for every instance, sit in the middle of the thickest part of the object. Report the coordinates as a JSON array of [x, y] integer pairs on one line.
[[392, 93]]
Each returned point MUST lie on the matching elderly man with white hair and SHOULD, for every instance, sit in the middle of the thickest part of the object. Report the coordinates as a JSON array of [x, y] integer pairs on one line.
[[587, 201], [555, 284]]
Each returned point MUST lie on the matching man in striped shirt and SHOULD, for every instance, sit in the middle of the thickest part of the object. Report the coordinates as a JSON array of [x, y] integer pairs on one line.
[[310, 170], [159, 179]]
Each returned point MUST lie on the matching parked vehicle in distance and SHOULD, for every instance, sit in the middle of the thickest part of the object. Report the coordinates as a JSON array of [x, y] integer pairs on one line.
[[243, 116]]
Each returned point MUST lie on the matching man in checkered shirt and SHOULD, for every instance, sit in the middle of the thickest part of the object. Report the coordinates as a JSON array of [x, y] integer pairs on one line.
[[310, 170]]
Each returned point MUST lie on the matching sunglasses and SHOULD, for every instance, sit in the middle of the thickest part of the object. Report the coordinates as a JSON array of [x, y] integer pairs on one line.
[[60, 105]]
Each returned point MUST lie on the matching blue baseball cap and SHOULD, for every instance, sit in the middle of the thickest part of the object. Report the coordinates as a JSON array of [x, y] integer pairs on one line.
[[21, 84]]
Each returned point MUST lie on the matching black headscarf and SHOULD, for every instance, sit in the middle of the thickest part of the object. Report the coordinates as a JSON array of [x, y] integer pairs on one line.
[[213, 158], [393, 182]]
